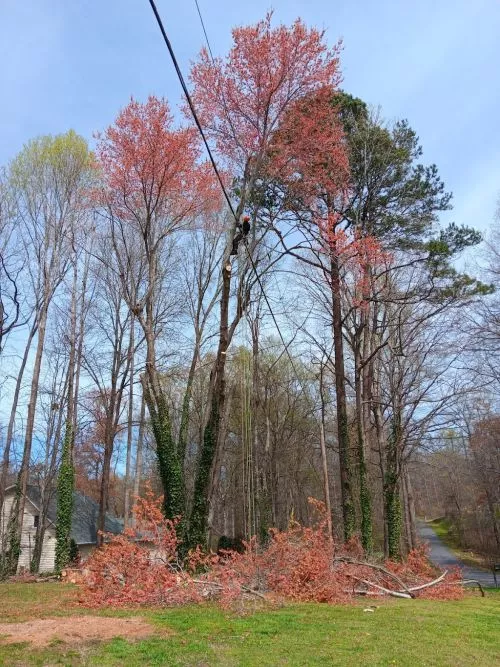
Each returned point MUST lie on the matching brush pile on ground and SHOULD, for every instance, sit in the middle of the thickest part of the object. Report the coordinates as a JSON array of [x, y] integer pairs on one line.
[[300, 564]]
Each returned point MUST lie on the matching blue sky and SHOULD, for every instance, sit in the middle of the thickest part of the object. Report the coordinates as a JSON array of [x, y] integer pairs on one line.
[[437, 63]]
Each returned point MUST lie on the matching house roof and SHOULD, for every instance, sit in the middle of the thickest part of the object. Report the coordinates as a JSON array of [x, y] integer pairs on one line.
[[85, 515]]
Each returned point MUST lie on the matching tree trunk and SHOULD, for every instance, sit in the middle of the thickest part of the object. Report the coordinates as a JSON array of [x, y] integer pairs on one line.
[[138, 454], [109, 438], [186, 403], [392, 499], [17, 513], [126, 511], [13, 411], [324, 461], [364, 491], [267, 508], [199, 511], [348, 511], [170, 467], [66, 478], [409, 502], [81, 334], [113, 399], [51, 452]]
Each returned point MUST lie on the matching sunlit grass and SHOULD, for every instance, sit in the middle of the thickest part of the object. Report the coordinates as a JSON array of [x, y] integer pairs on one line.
[[397, 632]]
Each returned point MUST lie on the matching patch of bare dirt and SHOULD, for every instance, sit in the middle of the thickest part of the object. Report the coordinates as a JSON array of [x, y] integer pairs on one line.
[[74, 629]]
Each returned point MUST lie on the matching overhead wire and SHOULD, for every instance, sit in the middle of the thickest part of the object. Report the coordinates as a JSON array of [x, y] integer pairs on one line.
[[191, 105], [204, 30]]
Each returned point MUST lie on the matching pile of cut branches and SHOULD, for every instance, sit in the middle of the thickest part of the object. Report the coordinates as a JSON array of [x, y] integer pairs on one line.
[[300, 564]]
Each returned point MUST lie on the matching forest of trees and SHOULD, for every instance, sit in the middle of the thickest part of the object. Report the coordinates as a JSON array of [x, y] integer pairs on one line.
[[318, 337]]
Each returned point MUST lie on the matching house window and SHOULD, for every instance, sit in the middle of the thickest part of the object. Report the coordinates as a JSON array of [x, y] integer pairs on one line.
[[36, 520]]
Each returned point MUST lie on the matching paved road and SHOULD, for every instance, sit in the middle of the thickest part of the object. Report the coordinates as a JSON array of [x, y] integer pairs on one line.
[[444, 558]]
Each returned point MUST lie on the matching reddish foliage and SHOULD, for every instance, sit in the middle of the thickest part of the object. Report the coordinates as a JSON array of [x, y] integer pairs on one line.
[[151, 168], [308, 151], [300, 563], [243, 99], [308, 154], [140, 566], [417, 567]]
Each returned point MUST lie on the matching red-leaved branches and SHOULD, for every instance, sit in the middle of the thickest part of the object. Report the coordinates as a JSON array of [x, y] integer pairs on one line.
[[243, 98], [154, 186], [308, 154], [151, 169], [300, 564]]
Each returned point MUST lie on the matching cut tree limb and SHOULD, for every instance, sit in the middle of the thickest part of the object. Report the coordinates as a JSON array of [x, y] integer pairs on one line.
[[429, 583], [387, 591], [380, 568], [405, 593]]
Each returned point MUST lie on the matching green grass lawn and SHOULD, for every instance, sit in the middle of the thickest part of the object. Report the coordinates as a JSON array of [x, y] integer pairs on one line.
[[444, 531], [398, 632]]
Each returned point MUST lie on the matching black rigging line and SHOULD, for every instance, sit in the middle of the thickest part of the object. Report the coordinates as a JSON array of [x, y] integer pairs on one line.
[[191, 105], [214, 165], [204, 30]]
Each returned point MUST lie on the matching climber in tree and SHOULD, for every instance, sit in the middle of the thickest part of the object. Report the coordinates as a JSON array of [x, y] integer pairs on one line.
[[242, 229]]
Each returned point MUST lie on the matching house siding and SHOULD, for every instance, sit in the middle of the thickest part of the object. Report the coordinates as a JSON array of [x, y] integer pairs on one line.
[[28, 533], [83, 528]]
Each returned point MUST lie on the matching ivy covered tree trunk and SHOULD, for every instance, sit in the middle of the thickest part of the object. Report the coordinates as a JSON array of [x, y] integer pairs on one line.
[[364, 497], [170, 467], [65, 488], [11, 551], [66, 478], [185, 415], [198, 520], [53, 437], [324, 461], [392, 499], [170, 464], [200, 509], [348, 511], [364, 490]]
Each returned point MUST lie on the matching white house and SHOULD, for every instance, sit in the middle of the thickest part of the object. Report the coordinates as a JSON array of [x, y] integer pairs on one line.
[[83, 526]]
